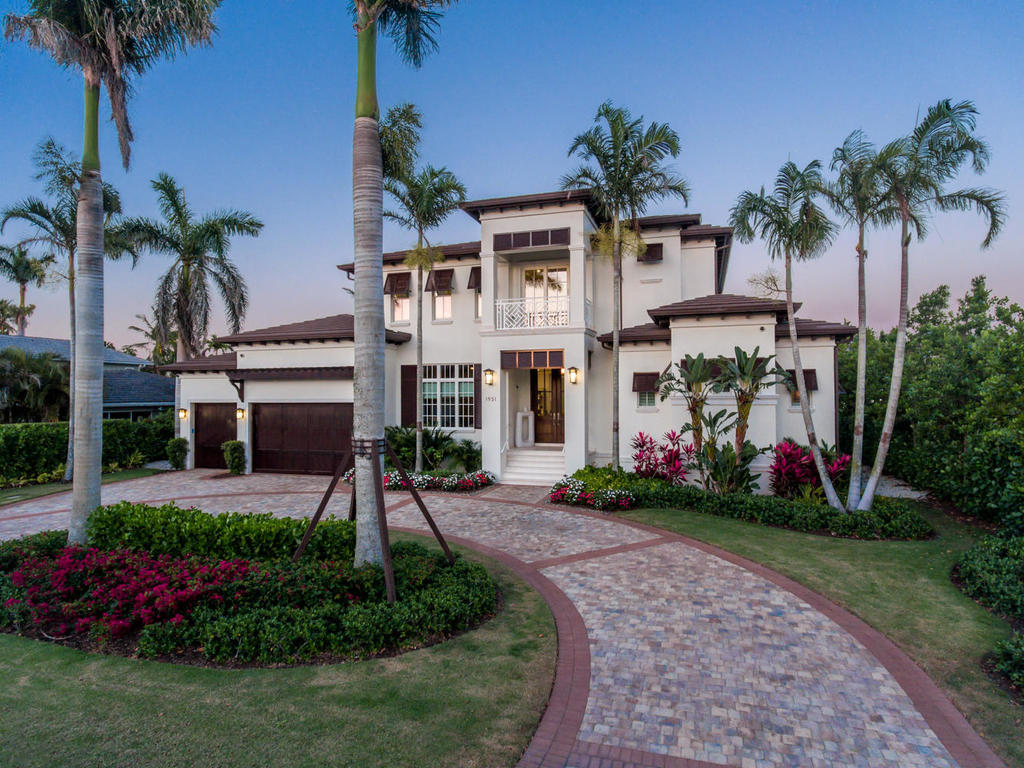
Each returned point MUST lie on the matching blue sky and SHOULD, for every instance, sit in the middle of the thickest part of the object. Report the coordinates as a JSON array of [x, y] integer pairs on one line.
[[262, 121]]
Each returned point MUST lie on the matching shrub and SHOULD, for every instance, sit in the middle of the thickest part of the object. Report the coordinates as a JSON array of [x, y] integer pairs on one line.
[[667, 460], [177, 451], [234, 456], [434, 481], [888, 519], [169, 529], [792, 469], [1009, 659], [441, 451], [46, 544]]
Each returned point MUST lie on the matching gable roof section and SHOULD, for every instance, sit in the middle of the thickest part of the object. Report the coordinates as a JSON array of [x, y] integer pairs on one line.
[[639, 334], [718, 304], [129, 386], [332, 328], [457, 251], [61, 349]]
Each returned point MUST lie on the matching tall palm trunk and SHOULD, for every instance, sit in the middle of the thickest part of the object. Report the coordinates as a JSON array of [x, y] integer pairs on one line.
[[616, 324], [898, 359], [419, 361], [70, 460], [368, 229], [22, 320], [88, 373], [857, 460], [805, 407]]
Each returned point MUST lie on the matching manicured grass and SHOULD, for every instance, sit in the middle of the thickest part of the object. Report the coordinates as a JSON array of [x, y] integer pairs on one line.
[[472, 701], [11, 495], [901, 588]]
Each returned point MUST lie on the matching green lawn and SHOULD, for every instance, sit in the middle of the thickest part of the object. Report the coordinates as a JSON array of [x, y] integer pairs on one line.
[[473, 701], [900, 588], [11, 495]]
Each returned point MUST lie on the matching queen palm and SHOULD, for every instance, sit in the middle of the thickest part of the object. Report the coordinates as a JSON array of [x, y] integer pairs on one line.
[[18, 267], [425, 200], [54, 226], [412, 25], [159, 342], [857, 195], [914, 171], [793, 227], [109, 42], [626, 175], [11, 316], [199, 249]]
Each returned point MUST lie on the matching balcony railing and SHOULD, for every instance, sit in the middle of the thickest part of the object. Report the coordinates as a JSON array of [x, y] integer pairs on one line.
[[551, 312]]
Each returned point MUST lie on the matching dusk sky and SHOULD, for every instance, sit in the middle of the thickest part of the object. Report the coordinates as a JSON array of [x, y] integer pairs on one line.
[[263, 121]]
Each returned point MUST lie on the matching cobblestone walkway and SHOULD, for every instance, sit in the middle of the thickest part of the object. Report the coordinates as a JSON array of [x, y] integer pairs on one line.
[[671, 653]]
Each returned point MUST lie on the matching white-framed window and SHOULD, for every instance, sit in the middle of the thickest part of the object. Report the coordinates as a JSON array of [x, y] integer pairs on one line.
[[646, 400], [448, 396], [442, 306], [399, 309]]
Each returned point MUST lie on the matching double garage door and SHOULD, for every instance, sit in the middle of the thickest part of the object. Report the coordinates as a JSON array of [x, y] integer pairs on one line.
[[308, 438]]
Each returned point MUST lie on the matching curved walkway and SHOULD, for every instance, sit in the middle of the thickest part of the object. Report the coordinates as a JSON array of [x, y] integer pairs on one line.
[[672, 653]]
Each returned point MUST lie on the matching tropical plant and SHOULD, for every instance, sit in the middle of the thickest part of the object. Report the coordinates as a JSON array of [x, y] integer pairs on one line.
[[32, 387], [109, 42], [668, 460], [12, 316], [54, 226], [160, 343], [695, 379], [412, 25], [199, 249], [425, 199], [624, 170], [18, 267], [857, 195], [746, 376], [793, 226], [913, 172]]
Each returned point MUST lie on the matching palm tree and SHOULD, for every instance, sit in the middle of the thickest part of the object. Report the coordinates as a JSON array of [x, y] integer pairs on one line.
[[159, 344], [793, 226], [200, 252], [18, 267], [696, 381], [412, 25], [747, 375], [626, 176], [11, 315], [425, 200], [110, 42], [857, 196], [54, 226], [913, 173]]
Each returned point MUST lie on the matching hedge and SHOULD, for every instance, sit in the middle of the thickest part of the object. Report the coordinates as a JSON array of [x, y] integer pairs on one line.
[[889, 518], [28, 450]]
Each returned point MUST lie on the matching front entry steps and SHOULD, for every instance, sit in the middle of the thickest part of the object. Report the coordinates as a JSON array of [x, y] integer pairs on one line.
[[534, 466]]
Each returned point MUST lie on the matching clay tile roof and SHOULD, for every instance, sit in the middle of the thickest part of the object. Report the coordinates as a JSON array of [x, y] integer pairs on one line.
[[718, 304], [210, 363], [539, 199], [807, 327], [335, 327], [639, 334], [467, 250]]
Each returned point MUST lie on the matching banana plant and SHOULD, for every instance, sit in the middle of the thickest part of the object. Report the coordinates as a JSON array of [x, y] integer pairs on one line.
[[695, 380], [746, 376]]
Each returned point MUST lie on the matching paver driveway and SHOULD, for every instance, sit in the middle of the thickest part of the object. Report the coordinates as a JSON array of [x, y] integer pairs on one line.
[[671, 653]]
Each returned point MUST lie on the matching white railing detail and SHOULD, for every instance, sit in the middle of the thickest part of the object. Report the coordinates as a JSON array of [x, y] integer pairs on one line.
[[532, 313]]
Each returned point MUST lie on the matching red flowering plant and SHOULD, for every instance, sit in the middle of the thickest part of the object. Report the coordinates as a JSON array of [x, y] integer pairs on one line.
[[793, 474], [668, 460]]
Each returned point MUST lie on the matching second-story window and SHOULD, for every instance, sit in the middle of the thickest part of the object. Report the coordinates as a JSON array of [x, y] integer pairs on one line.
[[399, 309], [442, 306]]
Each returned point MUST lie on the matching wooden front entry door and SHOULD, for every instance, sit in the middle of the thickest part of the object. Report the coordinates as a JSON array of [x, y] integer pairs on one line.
[[548, 405], [214, 424]]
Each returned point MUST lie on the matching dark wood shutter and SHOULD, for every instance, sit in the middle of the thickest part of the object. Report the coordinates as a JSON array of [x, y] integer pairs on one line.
[[475, 283], [810, 379], [503, 241], [653, 253], [560, 236], [408, 395], [645, 382], [440, 281], [478, 398]]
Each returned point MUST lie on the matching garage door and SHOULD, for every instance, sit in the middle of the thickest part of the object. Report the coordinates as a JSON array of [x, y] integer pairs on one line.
[[214, 423], [307, 438]]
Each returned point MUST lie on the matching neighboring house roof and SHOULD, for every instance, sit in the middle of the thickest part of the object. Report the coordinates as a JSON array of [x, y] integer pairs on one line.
[[131, 387], [61, 349], [333, 328], [718, 304], [638, 334], [469, 250], [210, 363], [807, 327]]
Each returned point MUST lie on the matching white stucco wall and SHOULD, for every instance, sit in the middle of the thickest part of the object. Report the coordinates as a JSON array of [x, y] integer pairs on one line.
[[818, 353]]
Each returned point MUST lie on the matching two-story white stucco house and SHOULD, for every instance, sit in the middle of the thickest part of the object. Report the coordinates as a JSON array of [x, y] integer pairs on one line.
[[517, 337]]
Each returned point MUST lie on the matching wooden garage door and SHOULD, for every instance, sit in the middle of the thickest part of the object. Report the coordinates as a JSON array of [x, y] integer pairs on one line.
[[307, 438], [214, 423]]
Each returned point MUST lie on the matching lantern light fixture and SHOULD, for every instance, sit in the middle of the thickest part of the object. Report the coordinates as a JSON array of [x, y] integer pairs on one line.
[[488, 376], [183, 413], [574, 374], [239, 413]]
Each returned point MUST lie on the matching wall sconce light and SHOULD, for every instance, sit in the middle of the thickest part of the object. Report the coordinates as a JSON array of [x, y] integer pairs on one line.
[[574, 374], [239, 413], [488, 376], [183, 413]]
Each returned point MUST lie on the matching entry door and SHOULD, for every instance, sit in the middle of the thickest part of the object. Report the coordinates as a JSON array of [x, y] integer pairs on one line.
[[214, 424], [548, 405]]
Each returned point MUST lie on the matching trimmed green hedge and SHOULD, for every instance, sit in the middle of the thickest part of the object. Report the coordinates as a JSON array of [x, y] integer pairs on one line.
[[889, 519], [29, 450], [171, 530]]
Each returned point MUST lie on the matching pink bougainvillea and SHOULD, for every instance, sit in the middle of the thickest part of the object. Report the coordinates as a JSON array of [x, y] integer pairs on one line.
[[667, 460]]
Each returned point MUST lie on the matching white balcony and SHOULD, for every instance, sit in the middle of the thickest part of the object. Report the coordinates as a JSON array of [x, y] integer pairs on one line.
[[550, 312]]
